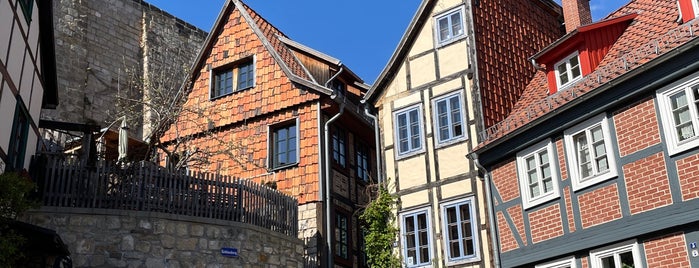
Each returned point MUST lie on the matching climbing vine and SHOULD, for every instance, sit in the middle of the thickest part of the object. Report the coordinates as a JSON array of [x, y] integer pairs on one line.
[[381, 230]]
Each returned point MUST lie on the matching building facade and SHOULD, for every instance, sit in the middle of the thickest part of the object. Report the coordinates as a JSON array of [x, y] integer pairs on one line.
[[597, 165], [28, 75], [266, 108], [432, 98], [117, 58]]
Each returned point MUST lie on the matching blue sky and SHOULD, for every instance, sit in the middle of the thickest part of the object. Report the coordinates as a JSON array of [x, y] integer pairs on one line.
[[361, 33]]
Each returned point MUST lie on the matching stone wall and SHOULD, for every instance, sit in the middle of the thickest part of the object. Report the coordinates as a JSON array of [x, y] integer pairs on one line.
[[115, 238], [102, 47]]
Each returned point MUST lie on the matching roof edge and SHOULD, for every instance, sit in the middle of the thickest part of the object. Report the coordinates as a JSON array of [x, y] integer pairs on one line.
[[401, 50]]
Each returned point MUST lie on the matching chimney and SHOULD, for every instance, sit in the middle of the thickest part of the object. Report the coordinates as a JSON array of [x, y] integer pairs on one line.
[[576, 13]]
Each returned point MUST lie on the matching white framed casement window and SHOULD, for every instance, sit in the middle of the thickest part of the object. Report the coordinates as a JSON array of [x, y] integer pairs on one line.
[[626, 254], [565, 263], [408, 131], [695, 6], [538, 177], [449, 118], [460, 231], [449, 26], [417, 238], [679, 113], [589, 152], [568, 70]]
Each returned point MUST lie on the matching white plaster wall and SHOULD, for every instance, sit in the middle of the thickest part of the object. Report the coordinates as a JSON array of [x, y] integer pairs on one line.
[[6, 17], [7, 111]]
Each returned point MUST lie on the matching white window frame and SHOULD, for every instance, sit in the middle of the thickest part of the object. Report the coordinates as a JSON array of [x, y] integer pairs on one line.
[[572, 154], [470, 201], [665, 108], [564, 263], [411, 151], [614, 250], [430, 243], [569, 69], [527, 200], [452, 138], [447, 15], [695, 6]]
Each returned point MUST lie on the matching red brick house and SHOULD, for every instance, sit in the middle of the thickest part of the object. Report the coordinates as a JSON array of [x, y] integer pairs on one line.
[[264, 107], [597, 164]]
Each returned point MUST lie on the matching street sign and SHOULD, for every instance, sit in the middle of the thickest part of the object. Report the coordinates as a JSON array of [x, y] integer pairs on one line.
[[229, 252]]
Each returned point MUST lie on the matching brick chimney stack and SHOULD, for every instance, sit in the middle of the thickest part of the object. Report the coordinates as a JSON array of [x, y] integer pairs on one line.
[[576, 13]]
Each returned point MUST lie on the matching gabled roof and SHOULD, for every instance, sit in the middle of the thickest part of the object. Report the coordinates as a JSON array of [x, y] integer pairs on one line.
[[419, 19], [653, 34], [271, 38]]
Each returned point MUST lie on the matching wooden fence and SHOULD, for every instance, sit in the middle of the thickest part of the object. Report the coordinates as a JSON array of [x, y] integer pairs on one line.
[[144, 186]]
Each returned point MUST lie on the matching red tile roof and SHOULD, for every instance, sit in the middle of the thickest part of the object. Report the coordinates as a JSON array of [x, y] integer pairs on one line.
[[654, 32]]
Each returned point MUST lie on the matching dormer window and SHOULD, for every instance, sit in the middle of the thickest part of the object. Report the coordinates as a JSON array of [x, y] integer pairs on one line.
[[568, 71], [450, 26]]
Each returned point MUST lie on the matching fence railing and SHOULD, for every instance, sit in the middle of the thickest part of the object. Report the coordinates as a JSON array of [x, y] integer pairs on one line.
[[144, 186]]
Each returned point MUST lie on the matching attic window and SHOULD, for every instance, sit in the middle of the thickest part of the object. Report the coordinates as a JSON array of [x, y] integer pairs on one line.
[[450, 26], [234, 77], [568, 70]]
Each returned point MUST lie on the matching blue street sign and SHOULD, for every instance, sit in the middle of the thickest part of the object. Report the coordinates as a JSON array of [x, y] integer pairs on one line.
[[229, 252]]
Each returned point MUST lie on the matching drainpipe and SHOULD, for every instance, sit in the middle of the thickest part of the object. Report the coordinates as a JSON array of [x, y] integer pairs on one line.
[[327, 198], [377, 144], [491, 217]]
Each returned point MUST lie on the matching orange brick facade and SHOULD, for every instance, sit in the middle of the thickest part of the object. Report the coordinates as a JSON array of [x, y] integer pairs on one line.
[[645, 194], [546, 223], [600, 206], [688, 174], [667, 251], [637, 127]]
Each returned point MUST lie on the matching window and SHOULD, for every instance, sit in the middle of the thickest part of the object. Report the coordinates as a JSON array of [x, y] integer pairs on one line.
[[589, 152], [416, 238], [339, 147], [568, 70], [18, 140], [449, 118], [409, 130], [341, 236], [567, 263], [460, 231], [450, 26], [538, 179], [27, 6], [680, 116], [617, 256], [284, 145], [223, 82], [362, 161]]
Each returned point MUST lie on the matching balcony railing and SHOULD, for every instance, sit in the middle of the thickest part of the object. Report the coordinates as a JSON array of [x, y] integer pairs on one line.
[[143, 186]]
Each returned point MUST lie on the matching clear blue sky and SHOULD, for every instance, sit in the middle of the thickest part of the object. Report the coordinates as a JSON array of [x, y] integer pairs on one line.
[[361, 33]]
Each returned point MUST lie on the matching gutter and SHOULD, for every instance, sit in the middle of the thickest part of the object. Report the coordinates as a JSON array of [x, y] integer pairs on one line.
[[377, 145], [326, 190], [491, 218]]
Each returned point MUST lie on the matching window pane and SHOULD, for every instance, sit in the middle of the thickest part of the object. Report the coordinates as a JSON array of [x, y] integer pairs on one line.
[[456, 116], [563, 74], [574, 67], [456, 27], [608, 262], [443, 29], [626, 259]]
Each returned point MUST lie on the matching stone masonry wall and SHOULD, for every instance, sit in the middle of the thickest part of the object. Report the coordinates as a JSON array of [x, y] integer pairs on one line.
[[115, 238], [102, 44]]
